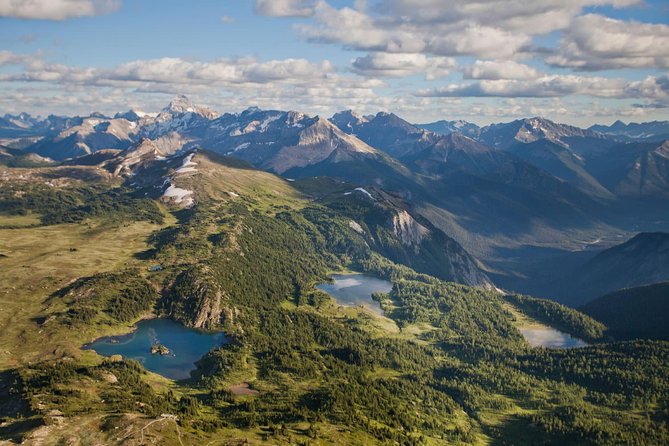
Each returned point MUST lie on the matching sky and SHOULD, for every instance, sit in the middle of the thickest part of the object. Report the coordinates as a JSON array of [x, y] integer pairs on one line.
[[574, 61]]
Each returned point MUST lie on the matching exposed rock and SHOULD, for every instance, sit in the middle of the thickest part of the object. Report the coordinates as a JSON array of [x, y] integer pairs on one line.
[[356, 227], [408, 230], [160, 349], [198, 301], [110, 378]]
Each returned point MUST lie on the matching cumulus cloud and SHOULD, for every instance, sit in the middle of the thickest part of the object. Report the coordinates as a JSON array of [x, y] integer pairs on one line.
[[549, 86], [286, 83], [539, 17], [285, 8], [594, 42], [56, 9], [403, 64], [173, 71], [357, 30], [9, 58], [481, 28], [500, 69]]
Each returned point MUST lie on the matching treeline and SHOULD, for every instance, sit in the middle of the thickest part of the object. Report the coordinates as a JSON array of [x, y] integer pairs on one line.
[[468, 365], [120, 388], [119, 297], [75, 204]]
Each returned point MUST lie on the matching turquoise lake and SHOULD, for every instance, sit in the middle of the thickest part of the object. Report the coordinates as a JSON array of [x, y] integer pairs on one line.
[[356, 289], [186, 346]]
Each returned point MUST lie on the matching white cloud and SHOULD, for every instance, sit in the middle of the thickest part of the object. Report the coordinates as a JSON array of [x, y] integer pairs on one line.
[[549, 86], [403, 64], [234, 83], [482, 28], [9, 58], [285, 8], [358, 30], [173, 71], [538, 17], [226, 19], [56, 9], [594, 42], [500, 69]]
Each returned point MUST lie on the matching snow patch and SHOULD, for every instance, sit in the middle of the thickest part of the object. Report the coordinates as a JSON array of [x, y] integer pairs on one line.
[[360, 189], [239, 147], [268, 121], [180, 196], [187, 165]]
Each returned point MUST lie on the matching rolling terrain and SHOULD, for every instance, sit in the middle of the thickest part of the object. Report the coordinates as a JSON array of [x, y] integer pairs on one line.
[[228, 222]]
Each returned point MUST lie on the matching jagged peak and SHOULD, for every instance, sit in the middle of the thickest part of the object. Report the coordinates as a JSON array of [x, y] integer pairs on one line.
[[180, 104], [251, 110]]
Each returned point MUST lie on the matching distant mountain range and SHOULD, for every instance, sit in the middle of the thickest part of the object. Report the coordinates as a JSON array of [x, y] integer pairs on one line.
[[647, 131], [503, 193]]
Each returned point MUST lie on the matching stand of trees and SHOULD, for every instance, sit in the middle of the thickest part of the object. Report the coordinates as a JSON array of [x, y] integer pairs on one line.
[[470, 364]]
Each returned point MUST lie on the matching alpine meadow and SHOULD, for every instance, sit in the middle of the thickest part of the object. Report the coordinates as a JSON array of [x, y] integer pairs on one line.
[[334, 222]]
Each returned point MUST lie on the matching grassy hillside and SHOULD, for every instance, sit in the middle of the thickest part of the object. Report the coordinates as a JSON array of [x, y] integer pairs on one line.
[[445, 365]]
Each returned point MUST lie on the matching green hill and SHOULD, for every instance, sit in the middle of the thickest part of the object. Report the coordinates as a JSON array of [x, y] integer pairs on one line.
[[634, 313], [444, 365]]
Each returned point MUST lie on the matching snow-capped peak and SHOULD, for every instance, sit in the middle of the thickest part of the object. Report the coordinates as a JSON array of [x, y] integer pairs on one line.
[[180, 104]]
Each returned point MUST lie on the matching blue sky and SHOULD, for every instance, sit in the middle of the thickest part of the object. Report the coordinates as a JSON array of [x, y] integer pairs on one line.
[[577, 61]]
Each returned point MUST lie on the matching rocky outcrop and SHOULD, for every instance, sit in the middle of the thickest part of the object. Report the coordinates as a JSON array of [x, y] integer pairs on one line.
[[428, 249], [197, 300], [412, 240], [408, 230]]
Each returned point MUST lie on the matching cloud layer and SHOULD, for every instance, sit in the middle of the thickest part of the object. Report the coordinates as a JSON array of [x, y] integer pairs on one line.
[[412, 56], [56, 9]]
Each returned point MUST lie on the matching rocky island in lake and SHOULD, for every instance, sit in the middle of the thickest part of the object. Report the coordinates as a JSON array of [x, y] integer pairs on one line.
[[160, 349]]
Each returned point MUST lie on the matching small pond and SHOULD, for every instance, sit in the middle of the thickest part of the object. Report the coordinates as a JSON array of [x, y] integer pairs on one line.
[[550, 338], [183, 346], [356, 289]]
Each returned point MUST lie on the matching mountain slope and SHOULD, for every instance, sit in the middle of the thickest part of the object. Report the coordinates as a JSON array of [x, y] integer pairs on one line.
[[388, 225], [642, 260], [633, 170], [646, 131], [528, 130], [447, 127], [640, 312], [243, 257], [92, 134], [386, 132], [562, 162]]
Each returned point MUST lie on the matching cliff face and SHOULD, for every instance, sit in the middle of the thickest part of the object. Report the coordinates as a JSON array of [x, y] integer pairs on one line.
[[408, 230], [418, 244], [197, 300]]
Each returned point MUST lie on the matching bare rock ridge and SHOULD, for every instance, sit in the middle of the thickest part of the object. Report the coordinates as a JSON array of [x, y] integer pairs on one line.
[[197, 301]]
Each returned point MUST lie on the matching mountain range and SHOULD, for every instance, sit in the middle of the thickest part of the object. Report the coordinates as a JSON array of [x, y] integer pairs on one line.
[[352, 280], [548, 187]]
